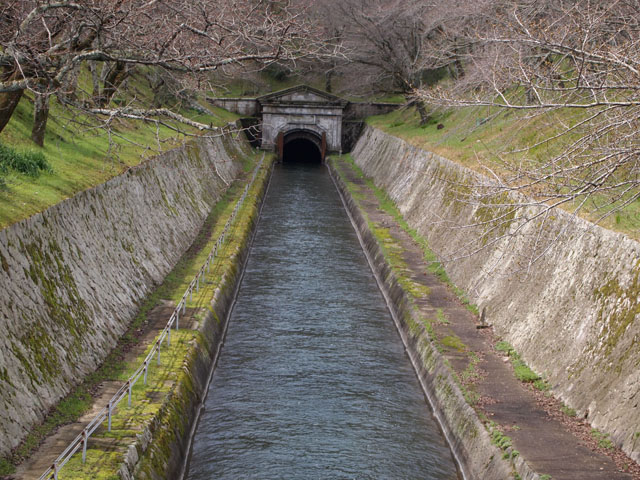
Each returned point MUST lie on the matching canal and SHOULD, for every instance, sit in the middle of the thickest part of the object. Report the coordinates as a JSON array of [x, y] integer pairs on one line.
[[313, 380]]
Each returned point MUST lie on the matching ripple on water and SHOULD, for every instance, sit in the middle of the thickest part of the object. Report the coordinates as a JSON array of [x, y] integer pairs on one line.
[[313, 381]]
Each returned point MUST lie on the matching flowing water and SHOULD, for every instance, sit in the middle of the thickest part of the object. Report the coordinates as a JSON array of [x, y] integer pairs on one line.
[[313, 381]]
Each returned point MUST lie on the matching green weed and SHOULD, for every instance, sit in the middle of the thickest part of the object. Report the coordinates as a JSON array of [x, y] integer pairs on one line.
[[453, 342], [501, 440], [603, 439], [29, 163]]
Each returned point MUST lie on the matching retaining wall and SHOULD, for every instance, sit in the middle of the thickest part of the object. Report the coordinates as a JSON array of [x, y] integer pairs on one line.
[[574, 315], [162, 450], [72, 276]]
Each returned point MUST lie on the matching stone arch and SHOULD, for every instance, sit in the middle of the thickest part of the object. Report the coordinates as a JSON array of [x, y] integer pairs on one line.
[[311, 141]]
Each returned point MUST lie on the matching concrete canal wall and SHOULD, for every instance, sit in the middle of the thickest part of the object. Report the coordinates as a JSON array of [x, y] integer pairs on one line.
[[72, 276], [574, 316]]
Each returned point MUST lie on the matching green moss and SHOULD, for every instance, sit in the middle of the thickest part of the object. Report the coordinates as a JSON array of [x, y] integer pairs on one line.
[[6, 467], [64, 304], [619, 308], [495, 215], [100, 465], [453, 342], [4, 375]]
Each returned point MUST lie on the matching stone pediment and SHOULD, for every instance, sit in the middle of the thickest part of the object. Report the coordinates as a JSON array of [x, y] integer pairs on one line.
[[301, 94]]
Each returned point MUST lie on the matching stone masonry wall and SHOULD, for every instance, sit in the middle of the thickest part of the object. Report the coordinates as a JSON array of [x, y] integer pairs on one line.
[[574, 315], [73, 276]]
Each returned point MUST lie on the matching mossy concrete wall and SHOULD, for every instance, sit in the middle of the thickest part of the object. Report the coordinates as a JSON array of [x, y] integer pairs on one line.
[[162, 449], [574, 315], [72, 277]]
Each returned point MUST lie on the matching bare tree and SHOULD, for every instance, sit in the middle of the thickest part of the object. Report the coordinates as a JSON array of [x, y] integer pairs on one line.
[[403, 45], [43, 44], [577, 63]]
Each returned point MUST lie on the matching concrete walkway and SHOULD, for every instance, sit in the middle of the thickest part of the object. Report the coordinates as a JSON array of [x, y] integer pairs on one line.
[[52, 447]]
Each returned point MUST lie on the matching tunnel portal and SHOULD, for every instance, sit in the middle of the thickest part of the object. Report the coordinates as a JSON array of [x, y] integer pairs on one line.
[[301, 146]]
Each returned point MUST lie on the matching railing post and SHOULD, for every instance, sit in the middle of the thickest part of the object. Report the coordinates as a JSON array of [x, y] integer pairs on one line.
[[158, 352], [85, 440], [184, 305], [191, 294], [146, 367], [130, 387], [178, 317], [55, 470], [169, 337], [109, 415], [198, 282]]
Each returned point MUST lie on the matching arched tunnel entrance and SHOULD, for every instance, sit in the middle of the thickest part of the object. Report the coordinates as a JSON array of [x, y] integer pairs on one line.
[[302, 147]]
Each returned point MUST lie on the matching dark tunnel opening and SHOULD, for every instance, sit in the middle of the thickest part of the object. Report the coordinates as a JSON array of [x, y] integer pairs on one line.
[[301, 151]]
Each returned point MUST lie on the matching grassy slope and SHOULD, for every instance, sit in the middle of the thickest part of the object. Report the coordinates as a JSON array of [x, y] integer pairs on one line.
[[473, 136], [79, 153]]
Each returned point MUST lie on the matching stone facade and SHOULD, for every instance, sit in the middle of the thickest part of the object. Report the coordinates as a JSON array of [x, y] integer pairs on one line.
[[242, 106], [305, 109], [302, 108]]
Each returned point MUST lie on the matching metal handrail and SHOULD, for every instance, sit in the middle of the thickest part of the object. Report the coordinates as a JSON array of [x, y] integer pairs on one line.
[[125, 390]]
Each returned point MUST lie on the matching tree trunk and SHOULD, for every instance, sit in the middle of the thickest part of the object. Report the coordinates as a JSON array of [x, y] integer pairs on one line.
[[8, 100], [8, 103], [424, 115], [40, 117], [112, 81], [95, 80], [328, 77]]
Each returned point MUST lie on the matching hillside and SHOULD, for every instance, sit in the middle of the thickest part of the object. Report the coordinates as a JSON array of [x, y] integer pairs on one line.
[[82, 153], [478, 138]]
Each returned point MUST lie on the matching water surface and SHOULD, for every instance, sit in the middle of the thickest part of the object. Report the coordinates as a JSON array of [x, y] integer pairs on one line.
[[313, 381]]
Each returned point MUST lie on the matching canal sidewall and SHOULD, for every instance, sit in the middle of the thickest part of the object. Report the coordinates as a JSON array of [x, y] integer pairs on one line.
[[162, 450], [470, 442]]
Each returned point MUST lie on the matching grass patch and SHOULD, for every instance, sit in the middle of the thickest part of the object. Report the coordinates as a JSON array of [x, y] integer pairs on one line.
[[571, 412], [500, 440], [29, 163], [523, 372], [441, 317], [520, 368], [603, 439]]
